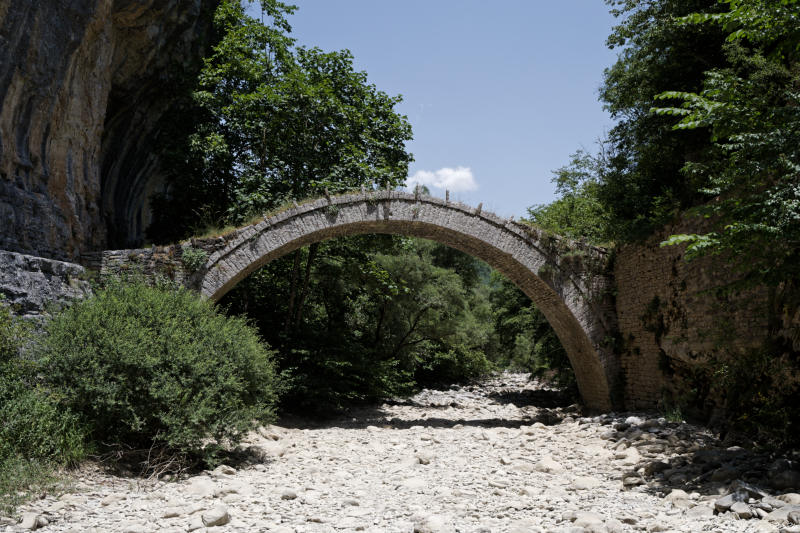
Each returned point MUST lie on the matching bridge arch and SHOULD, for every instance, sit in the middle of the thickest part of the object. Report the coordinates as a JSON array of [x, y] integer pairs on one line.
[[568, 281]]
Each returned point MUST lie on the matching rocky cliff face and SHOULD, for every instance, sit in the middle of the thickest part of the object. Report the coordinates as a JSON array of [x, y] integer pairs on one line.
[[83, 86]]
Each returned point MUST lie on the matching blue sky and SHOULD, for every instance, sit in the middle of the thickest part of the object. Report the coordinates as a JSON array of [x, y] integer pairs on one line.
[[506, 89]]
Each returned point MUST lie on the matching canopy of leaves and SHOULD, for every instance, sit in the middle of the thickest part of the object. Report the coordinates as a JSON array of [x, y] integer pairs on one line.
[[274, 121], [145, 367], [578, 212], [641, 185], [753, 174]]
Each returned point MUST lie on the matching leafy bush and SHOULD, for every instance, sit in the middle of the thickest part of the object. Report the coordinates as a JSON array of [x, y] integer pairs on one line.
[[145, 366], [194, 258], [760, 391], [36, 434], [457, 364], [35, 427]]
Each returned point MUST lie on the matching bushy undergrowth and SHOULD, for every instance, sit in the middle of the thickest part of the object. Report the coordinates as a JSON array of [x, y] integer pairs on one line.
[[36, 434], [144, 367], [457, 364], [132, 367], [760, 391]]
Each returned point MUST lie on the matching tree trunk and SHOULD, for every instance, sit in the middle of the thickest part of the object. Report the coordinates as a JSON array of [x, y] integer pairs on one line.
[[380, 324], [312, 252], [292, 291]]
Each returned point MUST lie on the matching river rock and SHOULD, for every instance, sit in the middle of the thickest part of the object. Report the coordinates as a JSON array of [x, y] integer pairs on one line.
[[792, 498], [32, 521], [348, 477], [724, 504], [741, 510], [201, 486], [217, 516], [432, 524], [549, 465], [585, 483]]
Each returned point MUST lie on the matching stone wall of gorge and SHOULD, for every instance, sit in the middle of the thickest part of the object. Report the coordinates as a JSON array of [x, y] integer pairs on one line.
[[84, 85]]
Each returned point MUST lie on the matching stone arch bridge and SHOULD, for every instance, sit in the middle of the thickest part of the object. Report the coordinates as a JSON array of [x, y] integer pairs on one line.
[[569, 281]]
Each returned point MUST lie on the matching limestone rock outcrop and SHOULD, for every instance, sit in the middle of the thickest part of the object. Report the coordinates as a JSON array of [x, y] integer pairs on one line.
[[34, 287], [83, 86]]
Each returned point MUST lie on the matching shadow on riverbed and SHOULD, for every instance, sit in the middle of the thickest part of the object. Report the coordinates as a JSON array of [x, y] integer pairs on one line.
[[549, 399], [544, 406], [362, 418], [691, 465], [717, 470], [377, 418]]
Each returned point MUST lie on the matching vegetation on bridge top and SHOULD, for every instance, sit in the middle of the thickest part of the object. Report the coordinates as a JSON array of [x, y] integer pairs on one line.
[[291, 207]]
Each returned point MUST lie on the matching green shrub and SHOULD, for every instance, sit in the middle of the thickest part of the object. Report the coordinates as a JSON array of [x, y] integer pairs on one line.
[[37, 435], [145, 366], [760, 388], [36, 427], [194, 258], [33, 424], [457, 364]]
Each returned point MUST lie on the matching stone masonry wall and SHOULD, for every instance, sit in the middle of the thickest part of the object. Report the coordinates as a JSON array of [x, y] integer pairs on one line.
[[671, 320]]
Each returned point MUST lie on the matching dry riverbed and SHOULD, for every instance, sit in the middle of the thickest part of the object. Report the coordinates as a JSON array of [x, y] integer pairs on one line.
[[496, 457]]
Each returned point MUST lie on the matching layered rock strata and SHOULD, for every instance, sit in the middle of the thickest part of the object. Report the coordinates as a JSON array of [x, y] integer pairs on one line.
[[83, 86], [35, 287]]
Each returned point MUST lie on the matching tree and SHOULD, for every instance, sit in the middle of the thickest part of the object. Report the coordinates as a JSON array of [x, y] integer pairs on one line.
[[752, 112], [641, 186], [275, 122], [381, 317], [577, 213]]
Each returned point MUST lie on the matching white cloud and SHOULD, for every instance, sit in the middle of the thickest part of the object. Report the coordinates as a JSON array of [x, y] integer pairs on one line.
[[457, 179]]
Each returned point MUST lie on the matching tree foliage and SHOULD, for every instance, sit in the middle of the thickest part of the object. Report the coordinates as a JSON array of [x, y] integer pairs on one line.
[[146, 367], [380, 316], [753, 174], [275, 121], [642, 186], [577, 213]]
